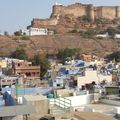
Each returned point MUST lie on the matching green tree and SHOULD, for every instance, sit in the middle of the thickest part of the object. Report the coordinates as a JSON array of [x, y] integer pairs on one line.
[[19, 53], [18, 33], [36, 59], [73, 31], [114, 56], [6, 33], [25, 37], [111, 31], [43, 62], [67, 53], [89, 33], [86, 18]]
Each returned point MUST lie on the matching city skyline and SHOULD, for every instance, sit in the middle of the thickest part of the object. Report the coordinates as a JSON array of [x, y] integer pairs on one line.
[[17, 15]]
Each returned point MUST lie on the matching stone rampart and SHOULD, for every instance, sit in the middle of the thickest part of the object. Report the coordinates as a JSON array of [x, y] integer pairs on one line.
[[78, 10]]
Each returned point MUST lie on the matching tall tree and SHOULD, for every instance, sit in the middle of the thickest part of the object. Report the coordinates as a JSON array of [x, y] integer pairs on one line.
[[43, 62], [114, 56], [19, 53], [67, 53]]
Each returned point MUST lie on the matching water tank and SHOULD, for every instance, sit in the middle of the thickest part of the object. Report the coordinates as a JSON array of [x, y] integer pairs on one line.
[[50, 96]]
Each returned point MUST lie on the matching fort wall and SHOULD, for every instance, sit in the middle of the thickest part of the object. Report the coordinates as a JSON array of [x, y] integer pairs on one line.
[[108, 12], [75, 9], [118, 11], [78, 10], [44, 22]]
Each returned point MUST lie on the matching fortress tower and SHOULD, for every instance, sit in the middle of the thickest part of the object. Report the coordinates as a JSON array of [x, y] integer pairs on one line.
[[90, 12], [78, 10], [56, 10], [117, 11]]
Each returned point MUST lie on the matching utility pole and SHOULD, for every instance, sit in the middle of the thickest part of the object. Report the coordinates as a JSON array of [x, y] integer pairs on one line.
[[0, 82]]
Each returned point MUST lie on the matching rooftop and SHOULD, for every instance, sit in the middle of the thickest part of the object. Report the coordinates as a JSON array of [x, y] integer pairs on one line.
[[16, 110], [34, 97], [92, 116]]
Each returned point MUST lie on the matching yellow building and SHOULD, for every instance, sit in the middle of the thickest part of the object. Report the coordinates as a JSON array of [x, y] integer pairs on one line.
[[3, 64]]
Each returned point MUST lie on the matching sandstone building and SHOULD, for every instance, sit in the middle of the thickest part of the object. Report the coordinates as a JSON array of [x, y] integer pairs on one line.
[[78, 10]]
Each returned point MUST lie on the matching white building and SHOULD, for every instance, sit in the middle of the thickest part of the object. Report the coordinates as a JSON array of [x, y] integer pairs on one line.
[[58, 82], [117, 36], [102, 35], [35, 31], [92, 75]]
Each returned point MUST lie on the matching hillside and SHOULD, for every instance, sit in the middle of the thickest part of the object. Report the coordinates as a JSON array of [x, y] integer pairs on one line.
[[51, 44]]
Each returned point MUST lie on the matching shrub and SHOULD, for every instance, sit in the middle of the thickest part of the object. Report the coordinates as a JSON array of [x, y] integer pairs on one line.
[[25, 38], [114, 56], [73, 31], [89, 33], [17, 33], [19, 53]]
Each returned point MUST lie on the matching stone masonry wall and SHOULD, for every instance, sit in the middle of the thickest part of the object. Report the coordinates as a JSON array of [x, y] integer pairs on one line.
[[78, 10], [43, 22]]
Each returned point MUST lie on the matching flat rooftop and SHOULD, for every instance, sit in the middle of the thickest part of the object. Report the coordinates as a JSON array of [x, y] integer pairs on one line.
[[16, 110], [101, 107], [35, 97], [92, 116]]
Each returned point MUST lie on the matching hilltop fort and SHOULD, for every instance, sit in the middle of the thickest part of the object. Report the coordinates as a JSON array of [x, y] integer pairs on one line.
[[78, 10]]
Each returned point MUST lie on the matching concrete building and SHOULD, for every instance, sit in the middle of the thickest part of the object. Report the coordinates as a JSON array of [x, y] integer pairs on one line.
[[106, 35], [20, 67], [3, 63], [86, 58], [59, 81], [16, 112], [117, 36], [40, 103], [10, 109], [35, 31], [92, 75], [31, 31]]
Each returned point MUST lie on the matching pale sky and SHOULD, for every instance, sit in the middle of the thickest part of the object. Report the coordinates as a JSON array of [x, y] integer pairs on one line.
[[17, 14]]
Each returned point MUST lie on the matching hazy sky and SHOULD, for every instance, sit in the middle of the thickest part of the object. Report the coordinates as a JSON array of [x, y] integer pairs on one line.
[[17, 14]]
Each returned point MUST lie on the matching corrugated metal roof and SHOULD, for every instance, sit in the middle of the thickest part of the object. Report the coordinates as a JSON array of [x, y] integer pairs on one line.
[[16, 110]]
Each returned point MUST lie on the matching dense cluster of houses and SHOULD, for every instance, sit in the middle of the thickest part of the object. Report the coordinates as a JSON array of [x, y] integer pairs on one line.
[[74, 86], [81, 73], [13, 69]]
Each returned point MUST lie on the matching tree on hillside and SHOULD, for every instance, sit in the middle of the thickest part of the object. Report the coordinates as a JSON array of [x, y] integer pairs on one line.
[[43, 62], [114, 56], [36, 59], [111, 31], [19, 53], [18, 33], [90, 33], [66, 54], [6, 33]]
